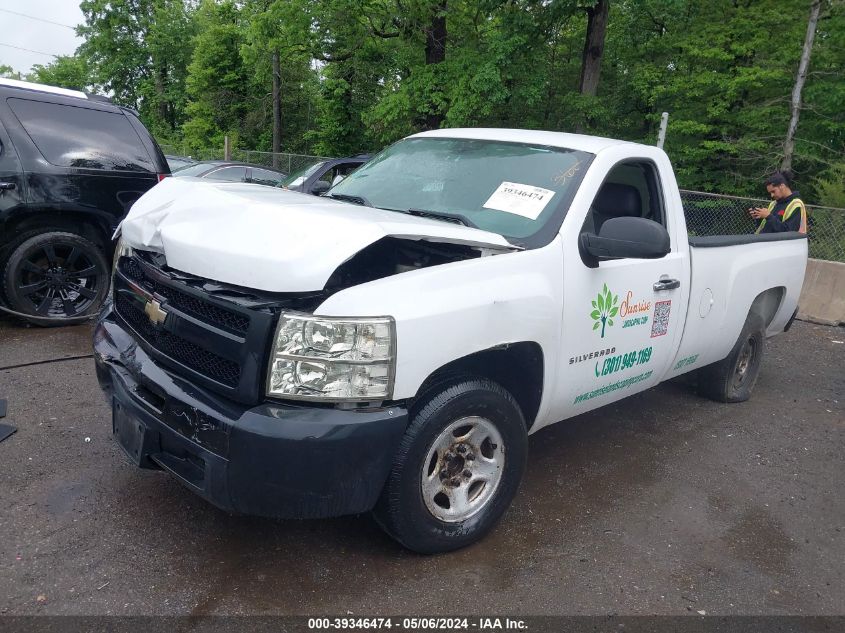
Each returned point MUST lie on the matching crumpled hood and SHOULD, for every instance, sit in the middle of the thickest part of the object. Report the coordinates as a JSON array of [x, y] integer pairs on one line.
[[269, 239]]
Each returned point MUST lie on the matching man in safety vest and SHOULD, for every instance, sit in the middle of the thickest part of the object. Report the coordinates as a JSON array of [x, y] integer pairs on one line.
[[786, 212]]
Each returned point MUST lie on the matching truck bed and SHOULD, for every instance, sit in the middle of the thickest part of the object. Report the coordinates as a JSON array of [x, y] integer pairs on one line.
[[727, 274]]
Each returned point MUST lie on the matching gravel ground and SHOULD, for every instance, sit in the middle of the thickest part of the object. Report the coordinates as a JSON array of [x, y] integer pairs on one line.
[[664, 503]]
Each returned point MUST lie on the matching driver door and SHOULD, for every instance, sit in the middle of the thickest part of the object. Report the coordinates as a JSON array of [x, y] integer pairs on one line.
[[622, 319]]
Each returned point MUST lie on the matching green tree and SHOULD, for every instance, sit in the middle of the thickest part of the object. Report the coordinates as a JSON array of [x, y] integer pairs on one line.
[[66, 71], [278, 44], [114, 46], [169, 41], [217, 78], [342, 76], [138, 51], [7, 72], [830, 186], [356, 50]]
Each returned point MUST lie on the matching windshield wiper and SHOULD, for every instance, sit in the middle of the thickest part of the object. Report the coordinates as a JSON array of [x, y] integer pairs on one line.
[[347, 198], [443, 215]]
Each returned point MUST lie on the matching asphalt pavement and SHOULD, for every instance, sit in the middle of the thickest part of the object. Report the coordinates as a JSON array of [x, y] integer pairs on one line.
[[664, 503]]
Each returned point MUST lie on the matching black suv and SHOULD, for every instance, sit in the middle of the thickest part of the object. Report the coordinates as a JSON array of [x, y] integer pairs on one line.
[[71, 165]]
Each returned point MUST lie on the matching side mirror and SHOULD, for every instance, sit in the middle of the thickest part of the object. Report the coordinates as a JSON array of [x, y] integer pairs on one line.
[[320, 187], [625, 237]]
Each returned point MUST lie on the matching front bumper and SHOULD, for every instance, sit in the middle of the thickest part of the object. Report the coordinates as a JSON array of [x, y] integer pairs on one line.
[[273, 459]]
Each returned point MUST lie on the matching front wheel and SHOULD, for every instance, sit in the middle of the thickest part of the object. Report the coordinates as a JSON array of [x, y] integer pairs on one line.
[[457, 469]]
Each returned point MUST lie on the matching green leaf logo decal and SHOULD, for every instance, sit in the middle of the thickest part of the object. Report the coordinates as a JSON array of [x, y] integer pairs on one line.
[[605, 308]]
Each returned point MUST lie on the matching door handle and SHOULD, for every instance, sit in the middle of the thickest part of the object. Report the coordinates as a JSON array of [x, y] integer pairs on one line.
[[7, 186], [666, 284]]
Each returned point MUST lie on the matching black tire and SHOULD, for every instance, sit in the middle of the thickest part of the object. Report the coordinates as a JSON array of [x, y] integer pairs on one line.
[[7, 249], [403, 510], [732, 379], [56, 275]]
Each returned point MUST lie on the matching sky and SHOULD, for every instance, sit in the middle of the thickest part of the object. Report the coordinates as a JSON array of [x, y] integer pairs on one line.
[[35, 34]]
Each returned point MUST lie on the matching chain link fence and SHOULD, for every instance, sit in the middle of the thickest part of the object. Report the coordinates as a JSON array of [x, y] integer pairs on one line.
[[288, 163], [714, 214]]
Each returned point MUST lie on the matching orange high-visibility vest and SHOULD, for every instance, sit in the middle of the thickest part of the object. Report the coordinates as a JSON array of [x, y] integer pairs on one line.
[[787, 213]]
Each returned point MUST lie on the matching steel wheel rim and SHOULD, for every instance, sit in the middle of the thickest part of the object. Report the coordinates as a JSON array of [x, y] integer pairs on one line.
[[58, 280], [746, 359], [462, 469]]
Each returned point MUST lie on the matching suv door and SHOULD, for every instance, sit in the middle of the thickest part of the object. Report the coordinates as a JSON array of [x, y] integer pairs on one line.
[[12, 193]]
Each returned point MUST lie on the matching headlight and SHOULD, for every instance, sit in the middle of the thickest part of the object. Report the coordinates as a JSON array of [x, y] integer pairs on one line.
[[327, 358], [121, 249]]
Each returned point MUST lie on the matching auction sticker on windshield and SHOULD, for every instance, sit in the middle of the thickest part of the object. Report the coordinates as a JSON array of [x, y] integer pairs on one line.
[[525, 200]]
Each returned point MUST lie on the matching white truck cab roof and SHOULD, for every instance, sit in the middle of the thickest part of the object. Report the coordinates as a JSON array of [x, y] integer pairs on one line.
[[581, 142]]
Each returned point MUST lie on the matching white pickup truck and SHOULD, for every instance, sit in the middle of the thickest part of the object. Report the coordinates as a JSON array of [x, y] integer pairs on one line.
[[390, 347]]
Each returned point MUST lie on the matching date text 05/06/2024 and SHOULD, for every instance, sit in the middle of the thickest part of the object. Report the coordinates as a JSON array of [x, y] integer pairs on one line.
[[418, 624]]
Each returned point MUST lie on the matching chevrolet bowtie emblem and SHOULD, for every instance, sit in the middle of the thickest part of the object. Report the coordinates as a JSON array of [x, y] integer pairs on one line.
[[154, 312]]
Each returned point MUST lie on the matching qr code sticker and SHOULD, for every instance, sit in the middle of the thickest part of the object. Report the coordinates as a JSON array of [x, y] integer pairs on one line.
[[660, 320]]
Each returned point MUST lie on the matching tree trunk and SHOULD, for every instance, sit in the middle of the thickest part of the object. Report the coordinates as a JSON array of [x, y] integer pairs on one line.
[[160, 83], [789, 144], [435, 53], [277, 110], [593, 47]]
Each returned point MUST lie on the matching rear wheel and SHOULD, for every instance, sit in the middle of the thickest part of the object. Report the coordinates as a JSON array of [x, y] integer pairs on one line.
[[732, 379], [57, 276], [457, 469]]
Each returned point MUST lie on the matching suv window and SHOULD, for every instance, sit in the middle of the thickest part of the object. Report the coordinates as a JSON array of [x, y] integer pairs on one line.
[[341, 171], [327, 177], [73, 136]]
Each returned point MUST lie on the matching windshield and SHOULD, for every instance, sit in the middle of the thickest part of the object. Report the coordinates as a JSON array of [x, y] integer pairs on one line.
[[506, 188], [299, 177]]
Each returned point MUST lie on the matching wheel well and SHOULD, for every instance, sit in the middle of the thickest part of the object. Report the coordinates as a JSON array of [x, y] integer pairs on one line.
[[518, 367], [94, 229], [766, 304]]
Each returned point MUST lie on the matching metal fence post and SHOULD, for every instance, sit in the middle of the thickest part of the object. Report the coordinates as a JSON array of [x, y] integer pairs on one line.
[[661, 135]]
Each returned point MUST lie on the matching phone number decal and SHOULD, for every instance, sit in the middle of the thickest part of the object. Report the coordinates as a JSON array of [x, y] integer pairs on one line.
[[623, 361]]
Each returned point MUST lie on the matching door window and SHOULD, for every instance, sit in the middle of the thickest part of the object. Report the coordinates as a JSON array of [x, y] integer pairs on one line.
[[340, 172], [631, 189], [73, 136]]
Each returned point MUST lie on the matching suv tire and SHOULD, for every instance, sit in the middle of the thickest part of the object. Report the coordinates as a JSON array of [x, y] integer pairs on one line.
[[55, 276]]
